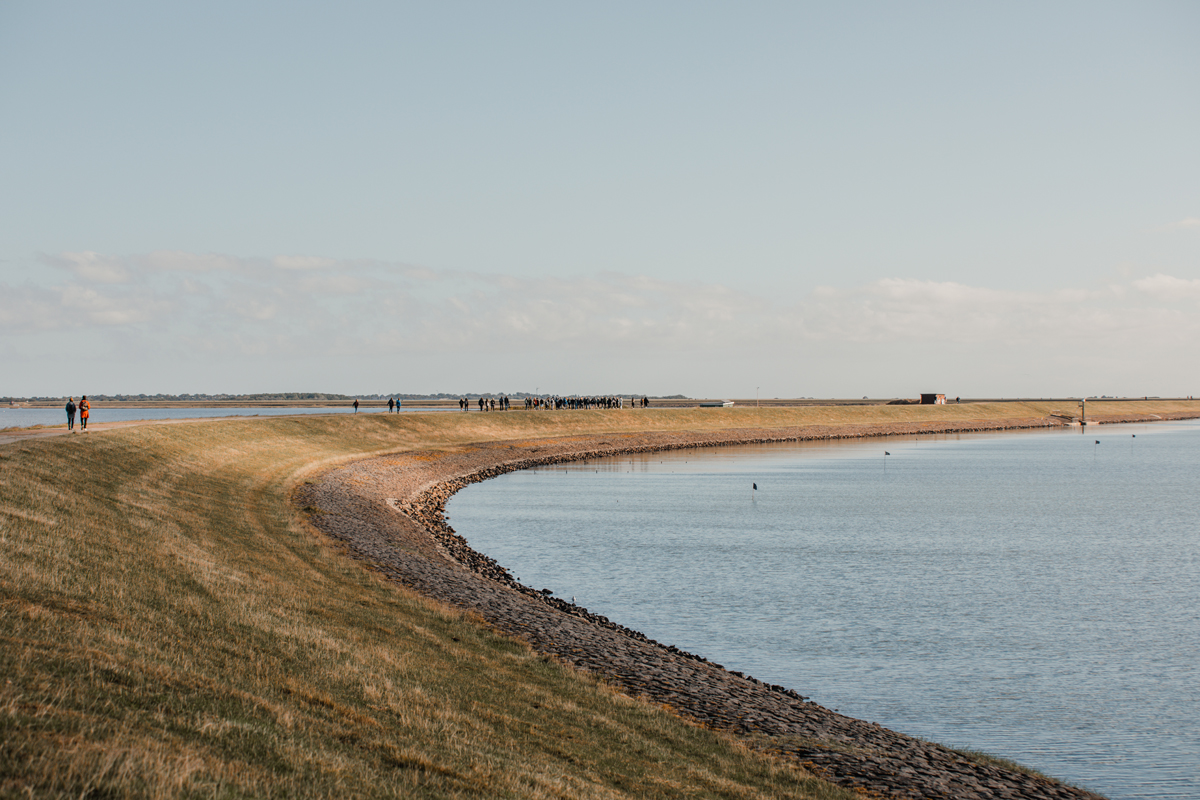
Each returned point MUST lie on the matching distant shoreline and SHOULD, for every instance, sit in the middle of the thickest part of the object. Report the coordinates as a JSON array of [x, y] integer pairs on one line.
[[673, 402]]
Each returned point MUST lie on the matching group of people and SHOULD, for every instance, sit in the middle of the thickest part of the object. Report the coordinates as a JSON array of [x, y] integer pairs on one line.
[[393, 405], [502, 403], [85, 410], [486, 404], [552, 403], [580, 403]]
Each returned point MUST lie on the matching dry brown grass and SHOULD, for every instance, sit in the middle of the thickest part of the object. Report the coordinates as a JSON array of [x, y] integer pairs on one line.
[[170, 627]]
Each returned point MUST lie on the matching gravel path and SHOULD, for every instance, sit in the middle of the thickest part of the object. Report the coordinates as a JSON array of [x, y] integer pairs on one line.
[[388, 512]]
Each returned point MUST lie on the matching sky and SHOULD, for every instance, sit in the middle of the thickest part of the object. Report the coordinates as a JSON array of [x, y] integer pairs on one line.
[[781, 199]]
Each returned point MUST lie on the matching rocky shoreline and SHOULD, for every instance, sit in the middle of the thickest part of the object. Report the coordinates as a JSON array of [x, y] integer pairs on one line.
[[388, 512]]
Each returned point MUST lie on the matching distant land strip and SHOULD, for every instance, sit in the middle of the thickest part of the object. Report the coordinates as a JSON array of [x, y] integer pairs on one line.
[[445, 400]]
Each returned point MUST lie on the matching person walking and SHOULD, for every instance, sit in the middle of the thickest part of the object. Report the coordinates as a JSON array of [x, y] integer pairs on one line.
[[70, 413], [356, 405], [391, 405], [85, 411]]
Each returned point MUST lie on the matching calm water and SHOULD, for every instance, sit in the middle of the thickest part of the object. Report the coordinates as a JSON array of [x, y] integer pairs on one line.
[[1031, 595], [28, 417]]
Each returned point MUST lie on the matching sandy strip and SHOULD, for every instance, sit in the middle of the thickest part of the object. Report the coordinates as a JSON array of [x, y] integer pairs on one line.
[[388, 512]]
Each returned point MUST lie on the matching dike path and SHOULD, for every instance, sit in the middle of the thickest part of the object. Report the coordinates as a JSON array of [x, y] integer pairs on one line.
[[388, 512]]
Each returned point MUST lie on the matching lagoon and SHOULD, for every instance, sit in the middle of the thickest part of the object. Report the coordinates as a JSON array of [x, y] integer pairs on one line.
[[1031, 595]]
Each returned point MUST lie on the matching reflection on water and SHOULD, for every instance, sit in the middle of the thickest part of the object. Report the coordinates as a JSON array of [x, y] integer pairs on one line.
[[1030, 595]]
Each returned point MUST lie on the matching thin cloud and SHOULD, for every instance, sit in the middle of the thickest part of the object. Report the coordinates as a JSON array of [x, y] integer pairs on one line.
[[29, 309], [1169, 289], [302, 262], [91, 266], [199, 263], [334, 284], [221, 303], [900, 310], [1183, 224]]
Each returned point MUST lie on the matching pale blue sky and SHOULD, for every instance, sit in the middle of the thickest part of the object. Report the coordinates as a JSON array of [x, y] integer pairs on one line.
[[820, 200]]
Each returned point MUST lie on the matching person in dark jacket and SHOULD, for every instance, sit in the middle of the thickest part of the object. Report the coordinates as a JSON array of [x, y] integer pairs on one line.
[[70, 413]]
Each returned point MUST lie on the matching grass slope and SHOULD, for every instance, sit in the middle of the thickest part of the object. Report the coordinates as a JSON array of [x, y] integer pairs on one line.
[[170, 627]]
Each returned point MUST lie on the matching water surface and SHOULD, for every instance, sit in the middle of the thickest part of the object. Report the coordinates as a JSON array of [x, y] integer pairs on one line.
[[1031, 595]]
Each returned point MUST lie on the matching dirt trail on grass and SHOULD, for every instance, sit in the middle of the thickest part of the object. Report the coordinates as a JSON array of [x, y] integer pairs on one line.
[[388, 512]]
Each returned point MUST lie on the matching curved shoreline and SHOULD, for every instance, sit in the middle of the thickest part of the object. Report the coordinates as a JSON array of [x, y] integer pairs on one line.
[[389, 513]]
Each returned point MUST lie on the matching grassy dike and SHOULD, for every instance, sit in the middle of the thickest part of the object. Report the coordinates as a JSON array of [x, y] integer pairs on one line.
[[170, 626]]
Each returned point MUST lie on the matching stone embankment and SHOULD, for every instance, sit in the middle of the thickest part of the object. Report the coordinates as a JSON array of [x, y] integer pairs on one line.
[[389, 512]]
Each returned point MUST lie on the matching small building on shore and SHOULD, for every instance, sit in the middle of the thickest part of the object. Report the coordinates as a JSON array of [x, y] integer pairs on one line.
[[933, 399]]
